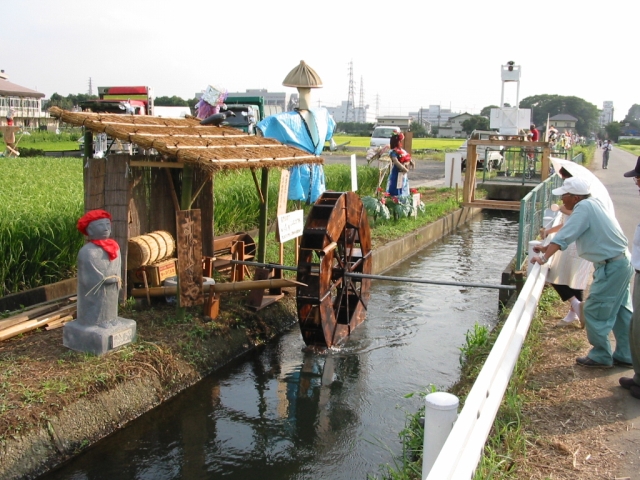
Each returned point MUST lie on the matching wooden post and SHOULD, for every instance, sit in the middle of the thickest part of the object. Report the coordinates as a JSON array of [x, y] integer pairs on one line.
[[185, 204], [262, 236], [470, 174], [88, 144], [545, 163]]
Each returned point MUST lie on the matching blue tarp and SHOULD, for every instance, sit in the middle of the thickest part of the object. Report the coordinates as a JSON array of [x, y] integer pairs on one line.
[[307, 181]]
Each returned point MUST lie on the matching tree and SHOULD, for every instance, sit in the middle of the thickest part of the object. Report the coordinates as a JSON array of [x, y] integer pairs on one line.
[[634, 114], [57, 100], [613, 130], [418, 130], [476, 122], [68, 102], [170, 102], [486, 111], [543, 105]]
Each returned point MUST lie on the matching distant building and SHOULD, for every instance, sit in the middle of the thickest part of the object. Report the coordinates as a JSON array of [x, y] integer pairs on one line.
[[563, 122], [606, 114], [402, 121], [435, 115], [453, 129], [359, 115], [26, 105], [288, 101]]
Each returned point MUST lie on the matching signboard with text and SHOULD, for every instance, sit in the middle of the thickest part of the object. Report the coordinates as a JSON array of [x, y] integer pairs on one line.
[[290, 225]]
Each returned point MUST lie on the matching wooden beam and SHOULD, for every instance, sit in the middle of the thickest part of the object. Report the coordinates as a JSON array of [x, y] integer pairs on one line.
[[172, 189], [144, 163], [507, 143], [493, 204], [255, 181], [204, 182]]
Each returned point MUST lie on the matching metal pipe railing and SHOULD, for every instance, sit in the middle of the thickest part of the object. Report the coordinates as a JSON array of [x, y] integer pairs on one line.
[[461, 452]]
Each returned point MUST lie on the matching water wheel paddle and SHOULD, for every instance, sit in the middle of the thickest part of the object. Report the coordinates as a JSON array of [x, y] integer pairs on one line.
[[336, 240]]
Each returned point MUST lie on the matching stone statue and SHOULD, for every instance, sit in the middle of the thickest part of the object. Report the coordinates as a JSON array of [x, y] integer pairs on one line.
[[98, 328]]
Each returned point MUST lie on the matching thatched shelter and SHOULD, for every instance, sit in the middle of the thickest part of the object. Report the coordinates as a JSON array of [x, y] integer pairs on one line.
[[170, 180]]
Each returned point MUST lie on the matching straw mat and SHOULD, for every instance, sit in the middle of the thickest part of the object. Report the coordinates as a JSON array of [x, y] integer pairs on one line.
[[185, 140]]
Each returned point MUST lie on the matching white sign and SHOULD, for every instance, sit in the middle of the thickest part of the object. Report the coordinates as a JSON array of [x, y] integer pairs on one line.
[[452, 169], [122, 338], [283, 192], [290, 225], [354, 173], [416, 202]]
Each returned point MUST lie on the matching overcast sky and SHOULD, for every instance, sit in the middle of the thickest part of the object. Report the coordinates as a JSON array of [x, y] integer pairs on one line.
[[407, 54]]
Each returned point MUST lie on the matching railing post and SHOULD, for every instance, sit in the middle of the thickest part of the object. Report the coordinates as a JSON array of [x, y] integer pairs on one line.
[[440, 413]]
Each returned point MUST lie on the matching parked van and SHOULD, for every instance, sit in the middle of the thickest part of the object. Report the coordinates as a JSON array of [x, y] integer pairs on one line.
[[381, 136]]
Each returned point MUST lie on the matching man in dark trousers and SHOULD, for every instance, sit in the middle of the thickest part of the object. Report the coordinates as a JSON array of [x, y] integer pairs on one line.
[[633, 384]]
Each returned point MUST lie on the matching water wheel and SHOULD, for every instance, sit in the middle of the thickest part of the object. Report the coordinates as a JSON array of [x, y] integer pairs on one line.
[[336, 240]]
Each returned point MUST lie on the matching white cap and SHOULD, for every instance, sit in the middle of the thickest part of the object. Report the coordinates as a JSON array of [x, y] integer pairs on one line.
[[573, 186]]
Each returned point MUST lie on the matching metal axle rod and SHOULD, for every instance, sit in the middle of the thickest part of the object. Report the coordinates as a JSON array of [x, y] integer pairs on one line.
[[431, 282], [384, 277]]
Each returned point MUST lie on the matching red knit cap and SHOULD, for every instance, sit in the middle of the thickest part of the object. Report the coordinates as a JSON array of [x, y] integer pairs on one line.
[[91, 216]]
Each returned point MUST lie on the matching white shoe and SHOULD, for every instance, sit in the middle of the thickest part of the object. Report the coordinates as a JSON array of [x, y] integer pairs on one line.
[[569, 319]]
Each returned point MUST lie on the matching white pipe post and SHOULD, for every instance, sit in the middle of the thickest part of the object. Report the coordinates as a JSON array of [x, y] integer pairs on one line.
[[441, 411]]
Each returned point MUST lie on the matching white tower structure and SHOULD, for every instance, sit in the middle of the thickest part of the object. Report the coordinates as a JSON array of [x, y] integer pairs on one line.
[[510, 120]]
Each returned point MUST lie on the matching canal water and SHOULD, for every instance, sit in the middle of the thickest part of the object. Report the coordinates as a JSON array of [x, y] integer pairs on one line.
[[280, 413]]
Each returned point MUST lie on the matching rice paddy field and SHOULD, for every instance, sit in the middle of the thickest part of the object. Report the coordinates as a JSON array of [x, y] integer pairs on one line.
[[441, 144], [41, 199]]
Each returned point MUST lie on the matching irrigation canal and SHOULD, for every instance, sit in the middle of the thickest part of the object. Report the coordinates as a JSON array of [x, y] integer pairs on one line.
[[280, 413]]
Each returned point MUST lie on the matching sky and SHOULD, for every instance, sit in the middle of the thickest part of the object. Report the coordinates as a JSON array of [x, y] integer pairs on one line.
[[405, 55]]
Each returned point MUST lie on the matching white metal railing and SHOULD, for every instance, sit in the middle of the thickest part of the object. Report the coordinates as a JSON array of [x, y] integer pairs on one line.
[[460, 454]]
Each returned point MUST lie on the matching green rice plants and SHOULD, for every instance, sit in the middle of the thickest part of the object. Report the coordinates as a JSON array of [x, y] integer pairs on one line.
[[40, 202]]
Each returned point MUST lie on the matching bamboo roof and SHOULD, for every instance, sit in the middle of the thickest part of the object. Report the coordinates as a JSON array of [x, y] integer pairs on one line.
[[185, 140]]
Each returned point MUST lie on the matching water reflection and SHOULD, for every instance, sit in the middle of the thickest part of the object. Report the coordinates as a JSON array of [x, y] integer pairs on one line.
[[281, 413]]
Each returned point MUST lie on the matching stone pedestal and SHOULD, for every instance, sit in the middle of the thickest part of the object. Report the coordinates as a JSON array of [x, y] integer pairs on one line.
[[98, 340]]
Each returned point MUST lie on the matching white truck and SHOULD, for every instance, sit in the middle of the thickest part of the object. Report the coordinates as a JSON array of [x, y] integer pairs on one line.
[[493, 155]]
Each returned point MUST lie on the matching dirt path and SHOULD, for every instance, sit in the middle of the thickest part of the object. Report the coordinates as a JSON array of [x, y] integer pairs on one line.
[[587, 425], [427, 173]]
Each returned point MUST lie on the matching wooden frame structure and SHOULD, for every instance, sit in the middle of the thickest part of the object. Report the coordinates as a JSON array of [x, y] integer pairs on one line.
[[155, 190], [469, 188]]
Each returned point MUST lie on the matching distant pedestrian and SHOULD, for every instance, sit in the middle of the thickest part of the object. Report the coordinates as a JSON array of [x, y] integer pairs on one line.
[[606, 150], [599, 239], [535, 134], [633, 384]]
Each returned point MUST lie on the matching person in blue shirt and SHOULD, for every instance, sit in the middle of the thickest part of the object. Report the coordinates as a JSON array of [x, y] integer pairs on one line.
[[599, 239]]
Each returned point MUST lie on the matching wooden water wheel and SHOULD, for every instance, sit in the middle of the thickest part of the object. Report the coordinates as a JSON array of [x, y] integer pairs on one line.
[[336, 240]]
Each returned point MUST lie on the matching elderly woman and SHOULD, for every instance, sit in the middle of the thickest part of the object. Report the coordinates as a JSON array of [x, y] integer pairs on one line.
[[398, 183], [568, 273]]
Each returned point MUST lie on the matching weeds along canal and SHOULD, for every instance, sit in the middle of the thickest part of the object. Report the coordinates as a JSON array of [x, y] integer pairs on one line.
[[280, 413]]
